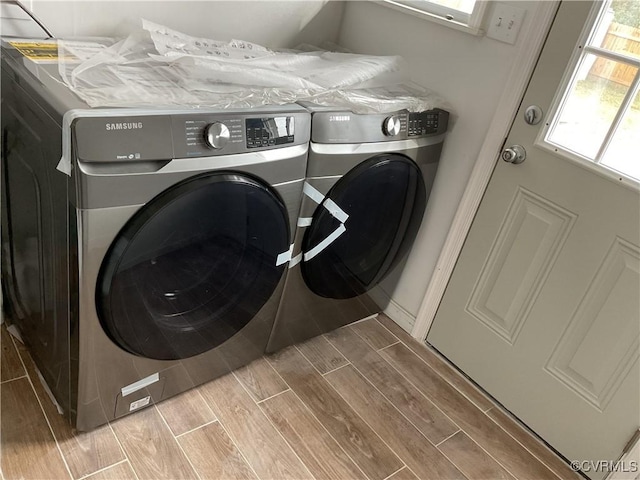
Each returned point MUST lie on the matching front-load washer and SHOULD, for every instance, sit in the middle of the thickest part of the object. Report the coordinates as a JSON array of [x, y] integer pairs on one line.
[[151, 258], [368, 181]]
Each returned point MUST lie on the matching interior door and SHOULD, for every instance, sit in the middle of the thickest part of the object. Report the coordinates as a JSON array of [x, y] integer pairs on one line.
[[543, 308]]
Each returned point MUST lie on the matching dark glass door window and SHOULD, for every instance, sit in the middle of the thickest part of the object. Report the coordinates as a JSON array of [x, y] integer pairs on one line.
[[385, 199], [193, 266]]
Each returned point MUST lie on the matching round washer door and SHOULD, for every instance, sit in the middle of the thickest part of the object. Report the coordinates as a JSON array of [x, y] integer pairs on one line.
[[193, 267], [385, 199]]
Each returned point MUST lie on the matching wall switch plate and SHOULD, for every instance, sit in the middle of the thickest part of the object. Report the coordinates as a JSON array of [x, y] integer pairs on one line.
[[505, 22]]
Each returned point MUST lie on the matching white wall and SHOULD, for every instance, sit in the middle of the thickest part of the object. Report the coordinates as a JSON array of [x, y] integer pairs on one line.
[[272, 23], [470, 72]]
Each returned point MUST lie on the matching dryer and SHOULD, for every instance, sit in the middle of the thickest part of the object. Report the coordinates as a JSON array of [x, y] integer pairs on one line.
[[368, 181], [151, 259]]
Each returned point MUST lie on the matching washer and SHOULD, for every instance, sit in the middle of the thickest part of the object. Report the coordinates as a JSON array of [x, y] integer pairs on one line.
[[158, 263], [368, 181]]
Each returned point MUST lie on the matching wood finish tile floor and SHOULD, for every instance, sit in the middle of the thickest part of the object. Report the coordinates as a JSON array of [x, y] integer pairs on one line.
[[364, 402]]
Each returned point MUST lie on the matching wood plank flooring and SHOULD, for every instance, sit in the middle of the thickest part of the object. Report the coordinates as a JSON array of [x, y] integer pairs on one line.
[[364, 402]]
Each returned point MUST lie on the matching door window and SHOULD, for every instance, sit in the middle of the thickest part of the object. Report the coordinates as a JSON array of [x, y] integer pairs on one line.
[[193, 266], [385, 199], [597, 117]]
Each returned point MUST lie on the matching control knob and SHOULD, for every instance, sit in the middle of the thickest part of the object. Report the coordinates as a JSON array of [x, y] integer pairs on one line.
[[391, 126], [216, 135]]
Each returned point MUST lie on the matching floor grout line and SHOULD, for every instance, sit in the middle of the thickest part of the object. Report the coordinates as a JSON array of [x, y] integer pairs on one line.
[[44, 413], [490, 455], [369, 425], [449, 367], [258, 402], [521, 444], [336, 369], [194, 429], [410, 422], [196, 389], [313, 365], [126, 460], [416, 389], [264, 357], [400, 469], [175, 439], [382, 348], [122, 449], [12, 379], [456, 373], [443, 377], [450, 436], [370, 382], [474, 405], [451, 460], [233, 441], [322, 425], [274, 426]]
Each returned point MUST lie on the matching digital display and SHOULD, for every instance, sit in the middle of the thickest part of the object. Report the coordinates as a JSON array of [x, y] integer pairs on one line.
[[266, 132]]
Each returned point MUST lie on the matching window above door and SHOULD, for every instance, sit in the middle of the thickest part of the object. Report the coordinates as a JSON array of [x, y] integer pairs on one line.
[[595, 117]]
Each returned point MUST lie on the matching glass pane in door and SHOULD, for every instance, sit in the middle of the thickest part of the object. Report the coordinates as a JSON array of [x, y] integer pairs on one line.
[[591, 105], [623, 153], [619, 28]]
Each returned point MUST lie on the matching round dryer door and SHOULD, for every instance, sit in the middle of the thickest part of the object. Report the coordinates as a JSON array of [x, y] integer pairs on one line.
[[193, 266], [385, 199]]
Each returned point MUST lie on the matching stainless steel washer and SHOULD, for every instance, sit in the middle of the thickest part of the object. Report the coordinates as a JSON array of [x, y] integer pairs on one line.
[[158, 263]]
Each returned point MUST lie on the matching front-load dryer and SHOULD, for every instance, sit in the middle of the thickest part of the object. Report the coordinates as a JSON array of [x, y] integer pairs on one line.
[[151, 258], [368, 180]]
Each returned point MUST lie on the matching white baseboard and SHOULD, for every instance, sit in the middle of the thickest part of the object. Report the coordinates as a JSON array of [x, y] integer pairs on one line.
[[399, 315], [393, 310]]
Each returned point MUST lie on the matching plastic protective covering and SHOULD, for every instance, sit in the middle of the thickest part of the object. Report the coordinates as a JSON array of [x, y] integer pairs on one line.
[[159, 66]]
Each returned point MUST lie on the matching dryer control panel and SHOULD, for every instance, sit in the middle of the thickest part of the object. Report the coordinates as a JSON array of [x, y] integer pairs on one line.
[[347, 127], [424, 123]]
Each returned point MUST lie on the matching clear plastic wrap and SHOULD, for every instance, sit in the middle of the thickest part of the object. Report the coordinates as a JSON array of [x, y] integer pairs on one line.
[[162, 67]]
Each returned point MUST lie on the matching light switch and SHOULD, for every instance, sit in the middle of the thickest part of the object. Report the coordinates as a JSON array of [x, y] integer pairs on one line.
[[505, 22]]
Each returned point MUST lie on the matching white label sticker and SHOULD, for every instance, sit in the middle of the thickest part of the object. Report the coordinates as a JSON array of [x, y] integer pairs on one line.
[[143, 402]]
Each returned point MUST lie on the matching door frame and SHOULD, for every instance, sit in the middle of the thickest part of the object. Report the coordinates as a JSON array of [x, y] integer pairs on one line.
[[530, 47]]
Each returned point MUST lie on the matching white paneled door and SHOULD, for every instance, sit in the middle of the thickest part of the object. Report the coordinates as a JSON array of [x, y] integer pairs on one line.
[[543, 308]]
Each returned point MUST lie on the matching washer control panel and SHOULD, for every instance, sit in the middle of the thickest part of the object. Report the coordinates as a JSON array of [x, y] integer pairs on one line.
[[188, 134], [270, 131], [223, 134], [202, 134]]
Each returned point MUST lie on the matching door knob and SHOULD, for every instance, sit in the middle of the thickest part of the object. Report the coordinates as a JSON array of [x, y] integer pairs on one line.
[[514, 154]]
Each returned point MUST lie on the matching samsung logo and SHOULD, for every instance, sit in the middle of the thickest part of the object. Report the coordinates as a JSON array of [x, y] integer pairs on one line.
[[124, 126], [339, 118]]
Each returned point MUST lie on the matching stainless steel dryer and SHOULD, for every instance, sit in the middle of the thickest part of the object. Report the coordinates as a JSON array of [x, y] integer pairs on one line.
[[368, 181], [157, 263]]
